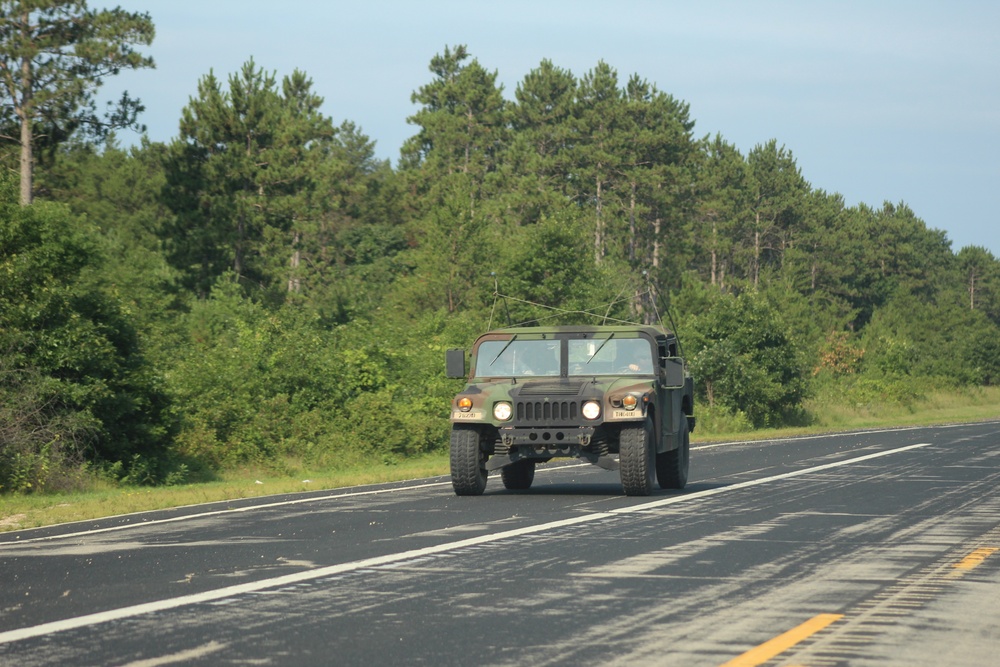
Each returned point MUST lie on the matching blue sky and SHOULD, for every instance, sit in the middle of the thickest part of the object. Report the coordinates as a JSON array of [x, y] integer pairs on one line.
[[877, 100]]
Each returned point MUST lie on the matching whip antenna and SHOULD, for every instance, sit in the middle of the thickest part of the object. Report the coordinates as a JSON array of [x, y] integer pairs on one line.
[[666, 307], [498, 295]]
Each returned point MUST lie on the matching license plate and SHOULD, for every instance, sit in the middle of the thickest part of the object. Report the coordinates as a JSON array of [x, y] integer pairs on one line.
[[472, 415], [626, 414]]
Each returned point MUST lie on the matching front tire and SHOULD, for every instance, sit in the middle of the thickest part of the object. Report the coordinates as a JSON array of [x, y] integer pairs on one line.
[[518, 476], [672, 466], [637, 458], [468, 461]]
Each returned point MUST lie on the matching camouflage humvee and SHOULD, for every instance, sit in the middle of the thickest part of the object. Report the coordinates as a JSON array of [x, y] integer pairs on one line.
[[591, 392]]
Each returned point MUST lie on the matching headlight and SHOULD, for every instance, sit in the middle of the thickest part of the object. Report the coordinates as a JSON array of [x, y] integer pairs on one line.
[[591, 410], [502, 411], [465, 404], [629, 402]]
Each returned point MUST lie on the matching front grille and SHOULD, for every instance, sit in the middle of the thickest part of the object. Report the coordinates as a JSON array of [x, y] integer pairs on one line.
[[550, 388], [546, 412]]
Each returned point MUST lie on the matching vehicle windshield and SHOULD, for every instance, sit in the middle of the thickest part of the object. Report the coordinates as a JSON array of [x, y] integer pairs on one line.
[[516, 358], [610, 356]]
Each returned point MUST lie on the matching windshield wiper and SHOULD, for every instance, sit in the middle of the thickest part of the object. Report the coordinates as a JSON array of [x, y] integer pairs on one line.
[[600, 347], [500, 353]]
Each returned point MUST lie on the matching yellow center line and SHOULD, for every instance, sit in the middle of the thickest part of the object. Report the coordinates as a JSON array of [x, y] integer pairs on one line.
[[783, 642], [975, 559]]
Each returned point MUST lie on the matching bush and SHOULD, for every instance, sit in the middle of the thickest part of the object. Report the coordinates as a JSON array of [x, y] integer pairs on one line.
[[256, 385], [744, 359], [43, 443], [717, 420], [74, 383]]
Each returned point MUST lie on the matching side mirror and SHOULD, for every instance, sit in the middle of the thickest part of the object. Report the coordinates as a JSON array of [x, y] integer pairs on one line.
[[455, 363], [673, 372]]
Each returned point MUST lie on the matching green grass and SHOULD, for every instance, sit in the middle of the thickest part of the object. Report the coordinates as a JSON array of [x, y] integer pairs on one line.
[[35, 510], [938, 407]]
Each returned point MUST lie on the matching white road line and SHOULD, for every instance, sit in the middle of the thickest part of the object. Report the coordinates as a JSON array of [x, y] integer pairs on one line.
[[332, 570], [277, 582], [373, 492], [183, 656], [822, 436], [248, 508], [757, 482], [231, 510]]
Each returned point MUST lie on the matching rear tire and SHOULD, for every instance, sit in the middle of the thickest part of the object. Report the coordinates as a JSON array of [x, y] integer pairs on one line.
[[637, 458], [518, 476], [468, 461], [672, 466]]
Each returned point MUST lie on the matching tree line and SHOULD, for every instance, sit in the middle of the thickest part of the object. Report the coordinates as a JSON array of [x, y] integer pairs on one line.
[[262, 290]]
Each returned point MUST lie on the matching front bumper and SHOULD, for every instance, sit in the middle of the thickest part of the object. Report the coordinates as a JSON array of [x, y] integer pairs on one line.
[[553, 437]]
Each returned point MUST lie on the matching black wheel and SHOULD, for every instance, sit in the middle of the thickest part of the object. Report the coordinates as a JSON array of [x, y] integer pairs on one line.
[[468, 461], [637, 458], [672, 466], [518, 476]]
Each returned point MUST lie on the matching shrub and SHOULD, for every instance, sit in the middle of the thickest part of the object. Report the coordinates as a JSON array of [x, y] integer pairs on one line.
[[75, 384], [744, 359]]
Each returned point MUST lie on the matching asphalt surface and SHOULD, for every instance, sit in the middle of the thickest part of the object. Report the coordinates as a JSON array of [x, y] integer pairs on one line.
[[869, 548]]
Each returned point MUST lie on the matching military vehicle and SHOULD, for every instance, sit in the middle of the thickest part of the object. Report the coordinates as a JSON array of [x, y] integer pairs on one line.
[[619, 397]]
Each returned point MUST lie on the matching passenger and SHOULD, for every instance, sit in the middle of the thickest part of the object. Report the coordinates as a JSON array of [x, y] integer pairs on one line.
[[637, 362]]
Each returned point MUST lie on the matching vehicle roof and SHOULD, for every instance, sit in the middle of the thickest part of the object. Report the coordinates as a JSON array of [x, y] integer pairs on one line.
[[649, 330]]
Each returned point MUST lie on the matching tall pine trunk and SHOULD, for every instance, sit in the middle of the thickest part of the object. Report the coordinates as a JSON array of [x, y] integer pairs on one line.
[[656, 242], [24, 114], [599, 225], [715, 253], [756, 252], [972, 289], [294, 282], [632, 242]]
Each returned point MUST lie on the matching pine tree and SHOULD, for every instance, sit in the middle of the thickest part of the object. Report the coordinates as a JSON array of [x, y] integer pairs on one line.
[[243, 177], [54, 56], [463, 126], [777, 194], [539, 158], [597, 144], [720, 209]]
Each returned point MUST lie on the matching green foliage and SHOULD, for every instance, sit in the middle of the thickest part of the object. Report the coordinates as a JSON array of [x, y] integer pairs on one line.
[[43, 442], [776, 194], [942, 339], [826, 265], [75, 378], [244, 179], [264, 292], [538, 160], [243, 378], [718, 418], [979, 273], [745, 359], [119, 193], [54, 56], [541, 267], [462, 120], [254, 385]]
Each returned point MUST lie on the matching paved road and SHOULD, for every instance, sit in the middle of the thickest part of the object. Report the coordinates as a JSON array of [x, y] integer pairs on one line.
[[873, 548]]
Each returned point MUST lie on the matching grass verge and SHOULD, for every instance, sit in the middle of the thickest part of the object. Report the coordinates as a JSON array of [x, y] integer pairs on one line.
[[31, 511], [36, 510]]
